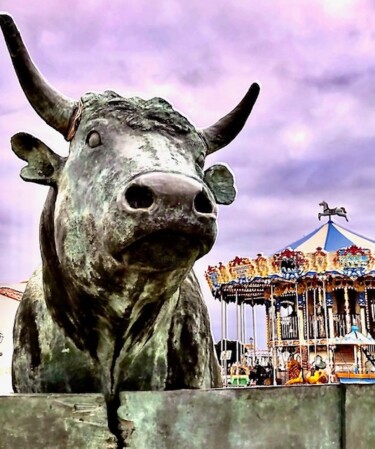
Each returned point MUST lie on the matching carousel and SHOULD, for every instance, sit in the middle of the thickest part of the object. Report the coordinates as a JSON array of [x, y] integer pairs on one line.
[[318, 295]]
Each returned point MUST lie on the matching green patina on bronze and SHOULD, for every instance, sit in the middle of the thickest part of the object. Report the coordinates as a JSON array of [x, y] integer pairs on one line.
[[116, 305]]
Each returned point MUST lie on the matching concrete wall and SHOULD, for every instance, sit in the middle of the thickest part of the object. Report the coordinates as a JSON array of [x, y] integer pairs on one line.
[[54, 422], [299, 417]]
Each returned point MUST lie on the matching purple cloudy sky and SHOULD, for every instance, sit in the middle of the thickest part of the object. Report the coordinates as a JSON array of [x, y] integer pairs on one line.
[[311, 136]]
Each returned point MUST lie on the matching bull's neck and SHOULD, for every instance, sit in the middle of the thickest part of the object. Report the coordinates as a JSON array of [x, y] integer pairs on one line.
[[135, 309], [144, 307], [141, 289]]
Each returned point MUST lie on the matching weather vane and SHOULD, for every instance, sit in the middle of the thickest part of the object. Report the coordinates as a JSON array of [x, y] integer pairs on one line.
[[340, 211]]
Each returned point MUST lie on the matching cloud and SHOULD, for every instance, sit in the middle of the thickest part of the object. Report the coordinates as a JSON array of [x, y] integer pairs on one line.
[[310, 137]]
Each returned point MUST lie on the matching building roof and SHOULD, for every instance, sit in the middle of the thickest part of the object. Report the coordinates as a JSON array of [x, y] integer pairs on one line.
[[11, 293]]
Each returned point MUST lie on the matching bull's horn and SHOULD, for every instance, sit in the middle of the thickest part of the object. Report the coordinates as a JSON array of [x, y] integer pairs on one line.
[[51, 105], [226, 129]]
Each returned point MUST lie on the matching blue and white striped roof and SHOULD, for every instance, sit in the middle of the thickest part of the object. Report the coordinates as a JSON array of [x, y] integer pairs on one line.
[[331, 237]]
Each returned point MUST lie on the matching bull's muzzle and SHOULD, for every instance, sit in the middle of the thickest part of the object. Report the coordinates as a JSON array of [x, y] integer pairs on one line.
[[167, 220], [156, 191]]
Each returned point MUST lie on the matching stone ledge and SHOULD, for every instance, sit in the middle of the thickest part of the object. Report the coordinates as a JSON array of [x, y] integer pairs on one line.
[[299, 417], [54, 421], [306, 417]]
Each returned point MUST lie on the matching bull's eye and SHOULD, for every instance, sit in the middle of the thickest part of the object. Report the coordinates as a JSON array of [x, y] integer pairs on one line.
[[200, 160], [93, 139]]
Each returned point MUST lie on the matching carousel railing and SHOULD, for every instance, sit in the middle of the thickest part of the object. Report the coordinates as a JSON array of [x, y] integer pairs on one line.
[[372, 307], [290, 331], [317, 326], [289, 328], [340, 324]]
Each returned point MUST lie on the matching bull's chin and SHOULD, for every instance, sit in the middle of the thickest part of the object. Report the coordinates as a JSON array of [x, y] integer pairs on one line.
[[162, 251]]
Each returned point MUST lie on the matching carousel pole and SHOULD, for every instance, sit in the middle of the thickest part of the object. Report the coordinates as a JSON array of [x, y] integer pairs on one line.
[[362, 305], [347, 310], [307, 322], [329, 302], [363, 319], [326, 319], [241, 331], [299, 322], [360, 361], [278, 322], [315, 321], [331, 323], [237, 330], [244, 323], [331, 329], [367, 312], [273, 347], [225, 343], [222, 333], [254, 329], [268, 327]]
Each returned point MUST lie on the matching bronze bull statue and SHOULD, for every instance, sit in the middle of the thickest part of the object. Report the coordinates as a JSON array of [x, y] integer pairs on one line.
[[115, 305]]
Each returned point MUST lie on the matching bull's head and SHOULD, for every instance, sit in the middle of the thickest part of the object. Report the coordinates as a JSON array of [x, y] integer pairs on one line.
[[128, 158]]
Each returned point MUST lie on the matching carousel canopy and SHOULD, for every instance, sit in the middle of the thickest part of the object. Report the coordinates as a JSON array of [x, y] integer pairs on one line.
[[330, 237], [330, 251], [355, 338]]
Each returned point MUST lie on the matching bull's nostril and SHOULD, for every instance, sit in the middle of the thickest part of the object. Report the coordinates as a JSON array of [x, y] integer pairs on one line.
[[139, 197], [202, 204]]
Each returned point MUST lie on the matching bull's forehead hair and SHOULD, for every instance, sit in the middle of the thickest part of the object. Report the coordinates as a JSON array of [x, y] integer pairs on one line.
[[146, 115]]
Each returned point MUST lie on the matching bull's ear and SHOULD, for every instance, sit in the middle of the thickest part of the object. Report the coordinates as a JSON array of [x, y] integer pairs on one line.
[[220, 180], [43, 164]]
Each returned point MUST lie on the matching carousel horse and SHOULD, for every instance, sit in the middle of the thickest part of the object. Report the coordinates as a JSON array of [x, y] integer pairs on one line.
[[340, 211]]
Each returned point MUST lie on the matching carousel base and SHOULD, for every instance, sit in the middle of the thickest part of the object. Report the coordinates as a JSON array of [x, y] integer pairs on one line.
[[354, 378]]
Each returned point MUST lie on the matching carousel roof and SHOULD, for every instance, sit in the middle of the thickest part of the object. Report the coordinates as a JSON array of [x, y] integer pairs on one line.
[[330, 251], [330, 237]]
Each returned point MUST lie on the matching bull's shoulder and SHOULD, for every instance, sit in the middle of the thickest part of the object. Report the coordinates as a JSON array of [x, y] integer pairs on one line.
[[44, 358], [191, 302], [192, 359], [191, 286], [25, 330]]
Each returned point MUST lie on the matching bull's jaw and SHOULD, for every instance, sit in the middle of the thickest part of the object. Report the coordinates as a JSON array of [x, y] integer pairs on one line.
[[163, 242], [161, 251]]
